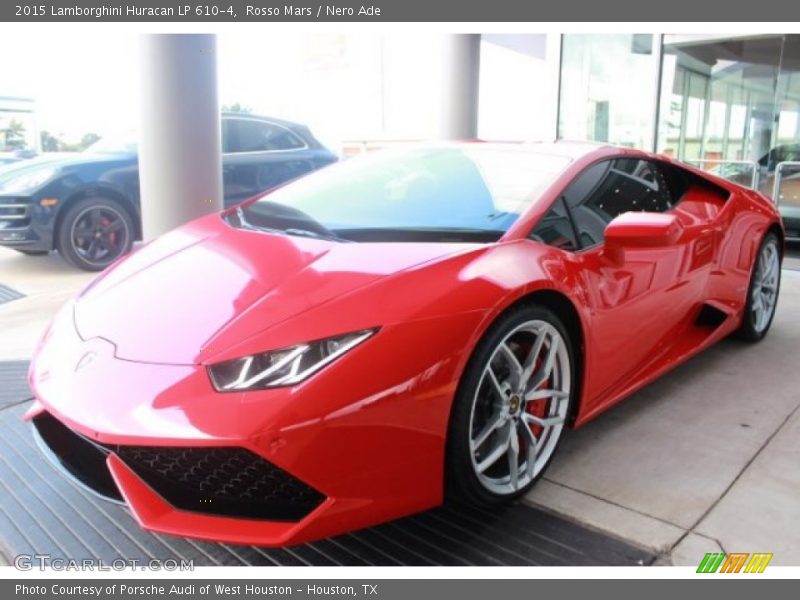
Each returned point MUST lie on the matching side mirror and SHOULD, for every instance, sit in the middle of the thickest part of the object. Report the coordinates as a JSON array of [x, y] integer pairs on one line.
[[640, 230]]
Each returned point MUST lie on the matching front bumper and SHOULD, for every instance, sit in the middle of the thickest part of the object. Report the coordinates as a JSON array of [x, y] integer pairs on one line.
[[25, 224], [340, 453], [196, 492], [224, 481]]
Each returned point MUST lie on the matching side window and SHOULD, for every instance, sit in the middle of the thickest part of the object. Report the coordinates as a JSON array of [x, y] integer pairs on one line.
[[582, 199], [555, 228], [610, 188], [246, 135]]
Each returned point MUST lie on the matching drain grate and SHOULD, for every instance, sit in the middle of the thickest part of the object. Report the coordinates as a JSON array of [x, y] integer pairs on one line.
[[7, 294], [41, 512], [13, 383]]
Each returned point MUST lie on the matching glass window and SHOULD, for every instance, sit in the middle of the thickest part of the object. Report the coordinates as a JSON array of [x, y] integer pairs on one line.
[[249, 135], [611, 188], [590, 222], [608, 89], [555, 228], [730, 104], [788, 153], [477, 189], [786, 135]]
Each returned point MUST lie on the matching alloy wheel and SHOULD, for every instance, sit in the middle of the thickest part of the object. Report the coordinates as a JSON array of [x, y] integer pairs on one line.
[[764, 294], [99, 235], [520, 407]]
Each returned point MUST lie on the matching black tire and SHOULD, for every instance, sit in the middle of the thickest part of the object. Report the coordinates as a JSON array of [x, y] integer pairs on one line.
[[95, 232], [31, 252], [462, 484], [751, 330]]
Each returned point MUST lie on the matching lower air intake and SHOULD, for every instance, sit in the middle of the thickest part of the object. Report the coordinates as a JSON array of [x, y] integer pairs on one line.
[[220, 481]]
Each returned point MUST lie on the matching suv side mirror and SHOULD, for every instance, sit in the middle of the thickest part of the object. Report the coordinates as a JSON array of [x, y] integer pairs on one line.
[[640, 230]]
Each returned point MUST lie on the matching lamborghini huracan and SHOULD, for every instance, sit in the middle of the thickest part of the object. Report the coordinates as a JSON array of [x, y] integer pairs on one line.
[[407, 327]]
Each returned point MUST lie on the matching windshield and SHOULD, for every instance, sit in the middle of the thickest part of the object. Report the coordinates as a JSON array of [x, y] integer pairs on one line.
[[472, 193], [113, 145]]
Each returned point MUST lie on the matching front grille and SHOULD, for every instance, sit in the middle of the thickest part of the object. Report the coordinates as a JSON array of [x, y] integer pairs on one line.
[[14, 212], [222, 481]]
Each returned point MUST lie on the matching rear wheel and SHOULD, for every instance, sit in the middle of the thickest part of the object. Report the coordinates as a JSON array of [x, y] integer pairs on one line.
[[511, 407], [95, 232], [762, 295]]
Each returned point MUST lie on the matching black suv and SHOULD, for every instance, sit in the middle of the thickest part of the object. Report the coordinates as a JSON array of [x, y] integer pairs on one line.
[[86, 205]]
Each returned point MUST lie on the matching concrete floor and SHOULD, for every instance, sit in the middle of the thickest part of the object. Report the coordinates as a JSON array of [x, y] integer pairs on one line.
[[47, 282], [703, 460], [706, 459]]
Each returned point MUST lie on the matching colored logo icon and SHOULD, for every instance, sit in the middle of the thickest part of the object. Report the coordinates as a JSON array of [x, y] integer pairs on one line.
[[735, 562]]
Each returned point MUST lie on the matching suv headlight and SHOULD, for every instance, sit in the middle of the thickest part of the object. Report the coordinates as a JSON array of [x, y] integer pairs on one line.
[[285, 366]]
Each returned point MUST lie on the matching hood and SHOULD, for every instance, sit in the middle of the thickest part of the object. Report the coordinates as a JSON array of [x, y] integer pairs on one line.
[[51, 160], [167, 302], [46, 159]]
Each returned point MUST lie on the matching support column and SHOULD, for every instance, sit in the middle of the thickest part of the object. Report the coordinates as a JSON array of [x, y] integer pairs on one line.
[[180, 154], [460, 86]]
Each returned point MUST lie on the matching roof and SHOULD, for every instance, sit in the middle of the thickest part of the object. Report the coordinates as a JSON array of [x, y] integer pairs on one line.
[[254, 117], [570, 150], [566, 148]]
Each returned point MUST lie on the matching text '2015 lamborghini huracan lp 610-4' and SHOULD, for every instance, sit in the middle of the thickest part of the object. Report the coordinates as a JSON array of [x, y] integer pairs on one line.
[[402, 328]]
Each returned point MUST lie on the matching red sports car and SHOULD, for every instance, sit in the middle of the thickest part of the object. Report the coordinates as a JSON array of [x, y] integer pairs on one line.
[[401, 328]]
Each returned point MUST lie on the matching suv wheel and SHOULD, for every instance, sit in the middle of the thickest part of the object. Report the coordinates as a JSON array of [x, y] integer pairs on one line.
[[95, 232]]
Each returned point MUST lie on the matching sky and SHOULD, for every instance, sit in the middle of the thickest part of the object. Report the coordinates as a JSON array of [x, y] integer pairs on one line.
[[344, 86]]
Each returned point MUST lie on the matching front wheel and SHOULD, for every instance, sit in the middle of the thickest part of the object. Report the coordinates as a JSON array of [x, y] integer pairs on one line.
[[762, 294], [94, 233], [510, 408]]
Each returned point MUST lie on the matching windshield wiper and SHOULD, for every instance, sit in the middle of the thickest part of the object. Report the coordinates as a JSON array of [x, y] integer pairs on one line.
[[498, 215], [288, 231], [316, 235], [247, 225]]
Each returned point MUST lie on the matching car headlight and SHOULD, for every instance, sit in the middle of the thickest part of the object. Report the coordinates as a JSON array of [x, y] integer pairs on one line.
[[28, 181], [285, 366]]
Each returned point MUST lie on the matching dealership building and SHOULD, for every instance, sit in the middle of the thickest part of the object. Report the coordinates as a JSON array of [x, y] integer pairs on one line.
[[724, 102], [728, 103]]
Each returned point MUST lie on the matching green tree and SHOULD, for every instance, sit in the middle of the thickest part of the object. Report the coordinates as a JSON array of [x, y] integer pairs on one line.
[[15, 135], [236, 107], [50, 143], [87, 140]]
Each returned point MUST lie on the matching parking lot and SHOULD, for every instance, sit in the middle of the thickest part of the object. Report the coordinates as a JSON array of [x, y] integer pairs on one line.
[[705, 459]]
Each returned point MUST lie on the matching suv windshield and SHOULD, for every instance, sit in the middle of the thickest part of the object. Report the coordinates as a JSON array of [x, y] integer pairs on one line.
[[472, 193]]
